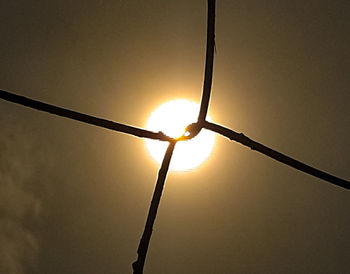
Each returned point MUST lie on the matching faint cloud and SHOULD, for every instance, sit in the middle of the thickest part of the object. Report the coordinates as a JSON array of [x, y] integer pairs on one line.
[[20, 204]]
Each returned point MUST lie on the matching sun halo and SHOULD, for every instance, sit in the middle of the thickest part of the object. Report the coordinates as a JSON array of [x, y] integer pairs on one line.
[[172, 118]]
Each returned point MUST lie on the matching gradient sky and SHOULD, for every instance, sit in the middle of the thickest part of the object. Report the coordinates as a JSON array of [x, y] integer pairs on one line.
[[74, 198]]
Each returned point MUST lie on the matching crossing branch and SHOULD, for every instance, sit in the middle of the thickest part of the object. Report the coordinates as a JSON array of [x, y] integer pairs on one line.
[[244, 140], [24, 101], [147, 233]]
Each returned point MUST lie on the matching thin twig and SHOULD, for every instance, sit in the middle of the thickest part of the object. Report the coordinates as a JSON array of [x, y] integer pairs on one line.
[[244, 140], [147, 233], [209, 60], [14, 98]]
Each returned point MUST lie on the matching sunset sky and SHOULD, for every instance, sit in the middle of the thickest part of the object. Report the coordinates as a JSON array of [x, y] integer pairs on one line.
[[74, 197]]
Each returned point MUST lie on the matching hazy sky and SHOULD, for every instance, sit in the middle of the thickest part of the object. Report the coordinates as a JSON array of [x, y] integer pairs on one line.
[[74, 198]]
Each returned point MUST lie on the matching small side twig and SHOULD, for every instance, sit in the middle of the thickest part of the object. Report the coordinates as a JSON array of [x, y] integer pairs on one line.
[[244, 140], [147, 233]]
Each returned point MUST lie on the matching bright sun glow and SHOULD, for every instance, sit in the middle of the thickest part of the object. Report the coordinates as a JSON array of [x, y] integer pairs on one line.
[[171, 118]]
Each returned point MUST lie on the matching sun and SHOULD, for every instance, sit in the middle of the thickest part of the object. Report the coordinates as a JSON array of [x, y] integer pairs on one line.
[[172, 118]]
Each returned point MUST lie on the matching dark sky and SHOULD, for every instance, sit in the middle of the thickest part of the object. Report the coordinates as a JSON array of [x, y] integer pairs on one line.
[[74, 198]]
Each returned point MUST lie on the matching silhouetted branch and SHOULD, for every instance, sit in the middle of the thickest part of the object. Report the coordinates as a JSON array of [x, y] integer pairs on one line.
[[244, 140], [209, 60], [147, 233], [82, 117]]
